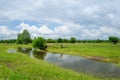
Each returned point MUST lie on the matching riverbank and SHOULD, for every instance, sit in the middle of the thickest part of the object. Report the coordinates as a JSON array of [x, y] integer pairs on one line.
[[97, 51]]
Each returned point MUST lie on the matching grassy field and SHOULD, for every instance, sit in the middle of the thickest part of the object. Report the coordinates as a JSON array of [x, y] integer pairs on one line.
[[106, 51], [18, 66]]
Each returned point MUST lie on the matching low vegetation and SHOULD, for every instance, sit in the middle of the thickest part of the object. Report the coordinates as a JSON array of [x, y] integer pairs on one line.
[[17, 66], [39, 43]]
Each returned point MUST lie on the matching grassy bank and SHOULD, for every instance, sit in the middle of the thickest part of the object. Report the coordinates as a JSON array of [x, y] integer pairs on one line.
[[107, 51], [17, 66]]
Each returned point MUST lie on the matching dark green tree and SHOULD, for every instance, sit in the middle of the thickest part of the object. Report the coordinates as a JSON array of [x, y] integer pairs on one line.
[[65, 40], [114, 39], [39, 43], [59, 40], [50, 40], [72, 40]]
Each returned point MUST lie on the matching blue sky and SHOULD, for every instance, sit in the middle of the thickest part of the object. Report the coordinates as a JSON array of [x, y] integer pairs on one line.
[[83, 19]]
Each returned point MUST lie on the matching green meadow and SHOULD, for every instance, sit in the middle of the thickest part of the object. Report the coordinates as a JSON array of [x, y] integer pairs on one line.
[[18, 66]]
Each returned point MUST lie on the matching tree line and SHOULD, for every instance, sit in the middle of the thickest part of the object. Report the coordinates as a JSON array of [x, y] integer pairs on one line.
[[8, 41], [24, 38], [59, 40]]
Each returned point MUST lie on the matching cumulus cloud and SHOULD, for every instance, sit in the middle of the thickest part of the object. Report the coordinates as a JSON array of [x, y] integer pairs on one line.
[[35, 31], [6, 33], [67, 30], [80, 18], [110, 30]]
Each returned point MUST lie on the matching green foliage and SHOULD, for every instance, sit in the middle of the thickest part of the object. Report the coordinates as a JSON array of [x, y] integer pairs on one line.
[[50, 40], [26, 37], [8, 41], [59, 40], [114, 39], [72, 40], [93, 41], [39, 43], [65, 40], [23, 38], [19, 39]]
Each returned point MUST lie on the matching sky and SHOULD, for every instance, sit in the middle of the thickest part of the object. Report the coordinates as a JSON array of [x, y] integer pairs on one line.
[[83, 19]]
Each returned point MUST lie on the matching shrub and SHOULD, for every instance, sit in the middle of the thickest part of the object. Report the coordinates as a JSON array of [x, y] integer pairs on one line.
[[39, 43]]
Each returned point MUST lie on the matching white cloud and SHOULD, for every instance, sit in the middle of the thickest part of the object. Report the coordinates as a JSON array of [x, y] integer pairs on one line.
[[111, 16], [91, 10], [57, 9], [6, 33], [36, 31], [91, 33], [45, 30], [66, 30], [110, 30]]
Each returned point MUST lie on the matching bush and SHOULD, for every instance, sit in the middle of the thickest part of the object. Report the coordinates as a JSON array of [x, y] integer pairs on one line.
[[114, 39], [39, 43]]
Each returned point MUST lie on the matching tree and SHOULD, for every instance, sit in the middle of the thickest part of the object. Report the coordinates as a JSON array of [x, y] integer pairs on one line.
[[59, 40], [23, 38], [72, 40], [39, 43], [26, 37], [19, 39], [114, 39], [50, 40], [65, 40], [98, 41]]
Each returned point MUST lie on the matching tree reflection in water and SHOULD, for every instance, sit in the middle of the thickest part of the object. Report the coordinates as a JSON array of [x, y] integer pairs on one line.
[[33, 53]]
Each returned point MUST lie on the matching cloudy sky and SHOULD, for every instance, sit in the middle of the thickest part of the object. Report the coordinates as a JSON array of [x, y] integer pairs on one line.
[[83, 19]]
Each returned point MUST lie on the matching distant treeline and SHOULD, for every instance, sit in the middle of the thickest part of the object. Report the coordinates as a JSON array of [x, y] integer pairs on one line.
[[75, 41], [8, 41], [60, 40]]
